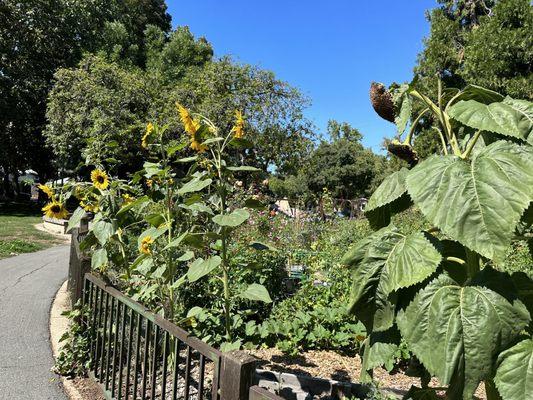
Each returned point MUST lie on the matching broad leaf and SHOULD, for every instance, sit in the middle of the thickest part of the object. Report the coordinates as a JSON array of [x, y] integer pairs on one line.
[[176, 242], [75, 218], [514, 377], [386, 262], [379, 349], [478, 93], [478, 203], [503, 117], [188, 255], [194, 186], [525, 108], [256, 292], [233, 219], [153, 232], [151, 169], [403, 106], [98, 258], [102, 230], [135, 203], [200, 268], [456, 332], [392, 188]]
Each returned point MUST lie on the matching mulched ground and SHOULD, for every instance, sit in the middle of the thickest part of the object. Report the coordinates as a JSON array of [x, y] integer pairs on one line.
[[331, 365]]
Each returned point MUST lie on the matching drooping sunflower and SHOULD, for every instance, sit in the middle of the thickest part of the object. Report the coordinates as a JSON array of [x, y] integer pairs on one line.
[[147, 133], [238, 128], [100, 179], [145, 245], [47, 190], [190, 125], [197, 145], [55, 209]]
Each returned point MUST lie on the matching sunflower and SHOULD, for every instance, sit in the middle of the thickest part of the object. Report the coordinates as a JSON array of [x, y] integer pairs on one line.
[[128, 199], [147, 133], [55, 209], [145, 245], [238, 128], [190, 125], [47, 190], [100, 179], [89, 207], [197, 145]]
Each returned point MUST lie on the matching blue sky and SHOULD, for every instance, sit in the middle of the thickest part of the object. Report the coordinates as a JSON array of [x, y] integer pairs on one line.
[[330, 50]]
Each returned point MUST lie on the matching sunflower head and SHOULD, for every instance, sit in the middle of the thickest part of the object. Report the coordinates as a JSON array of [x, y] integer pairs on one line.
[[88, 206], [146, 244], [190, 125], [55, 209], [146, 136], [196, 145], [100, 179], [47, 190], [128, 199], [238, 128]]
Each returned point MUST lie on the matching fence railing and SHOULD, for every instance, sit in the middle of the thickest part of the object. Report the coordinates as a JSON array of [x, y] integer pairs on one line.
[[137, 354]]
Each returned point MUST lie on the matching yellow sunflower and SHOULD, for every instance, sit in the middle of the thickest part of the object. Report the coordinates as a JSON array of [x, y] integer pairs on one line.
[[89, 207], [128, 199], [238, 128], [197, 145], [145, 245], [55, 209], [147, 133], [100, 179], [190, 125], [47, 190]]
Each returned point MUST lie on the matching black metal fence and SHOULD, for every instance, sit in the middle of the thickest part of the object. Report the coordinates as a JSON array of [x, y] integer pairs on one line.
[[136, 354]]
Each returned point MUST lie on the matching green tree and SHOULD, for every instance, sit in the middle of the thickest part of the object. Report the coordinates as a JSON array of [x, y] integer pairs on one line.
[[343, 130], [482, 42]]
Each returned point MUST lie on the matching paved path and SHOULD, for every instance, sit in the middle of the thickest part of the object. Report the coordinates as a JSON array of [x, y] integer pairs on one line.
[[28, 284]]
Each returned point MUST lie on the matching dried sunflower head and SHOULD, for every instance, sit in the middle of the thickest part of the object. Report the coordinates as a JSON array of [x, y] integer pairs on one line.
[[382, 101], [403, 151]]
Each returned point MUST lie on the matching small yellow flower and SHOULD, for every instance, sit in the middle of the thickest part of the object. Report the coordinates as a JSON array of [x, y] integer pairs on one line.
[[100, 179], [149, 183], [128, 199], [147, 133], [238, 128], [190, 125], [145, 245], [47, 190], [55, 209], [89, 207]]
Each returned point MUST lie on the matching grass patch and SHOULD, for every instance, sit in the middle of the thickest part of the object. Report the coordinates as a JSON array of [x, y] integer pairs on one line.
[[17, 231]]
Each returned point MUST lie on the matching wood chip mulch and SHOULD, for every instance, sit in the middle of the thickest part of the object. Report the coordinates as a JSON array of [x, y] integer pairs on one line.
[[334, 366]]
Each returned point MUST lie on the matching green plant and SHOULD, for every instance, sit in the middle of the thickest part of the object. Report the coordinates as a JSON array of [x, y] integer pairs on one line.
[[439, 289], [74, 355]]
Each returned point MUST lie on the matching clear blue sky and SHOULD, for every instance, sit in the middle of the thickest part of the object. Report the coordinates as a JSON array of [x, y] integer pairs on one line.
[[330, 50]]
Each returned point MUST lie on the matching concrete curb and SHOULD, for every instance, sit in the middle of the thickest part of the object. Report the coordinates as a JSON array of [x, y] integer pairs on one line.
[[58, 326]]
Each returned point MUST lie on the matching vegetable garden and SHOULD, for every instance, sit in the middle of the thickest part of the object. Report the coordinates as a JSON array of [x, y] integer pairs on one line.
[[437, 277]]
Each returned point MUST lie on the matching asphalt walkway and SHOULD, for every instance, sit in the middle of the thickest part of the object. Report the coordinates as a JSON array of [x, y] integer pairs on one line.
[[28, 284]]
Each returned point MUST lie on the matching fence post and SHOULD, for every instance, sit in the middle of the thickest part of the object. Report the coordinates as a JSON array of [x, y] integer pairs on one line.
[[236, 375], [79, 264]]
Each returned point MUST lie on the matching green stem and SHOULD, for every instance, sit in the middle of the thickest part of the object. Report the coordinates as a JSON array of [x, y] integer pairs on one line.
[[471, 145], [442, 140], [413, 126]]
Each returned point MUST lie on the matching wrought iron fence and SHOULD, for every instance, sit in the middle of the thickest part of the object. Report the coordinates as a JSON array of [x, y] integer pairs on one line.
[[137, 354]]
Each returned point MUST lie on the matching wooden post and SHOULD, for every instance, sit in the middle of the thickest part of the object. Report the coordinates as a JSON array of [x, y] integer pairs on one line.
[[236, 375]]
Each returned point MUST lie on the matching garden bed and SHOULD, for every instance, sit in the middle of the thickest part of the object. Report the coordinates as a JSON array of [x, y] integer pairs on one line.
[[334, 366]]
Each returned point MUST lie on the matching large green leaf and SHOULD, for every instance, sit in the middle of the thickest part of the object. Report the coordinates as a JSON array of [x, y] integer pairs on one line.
[[233, 219], [75, 218], [98, 258], [386, 262], [200, 268], [379, 349], [479, 202], [256, 292], [514, 377], [194, 185], [457, 332], [502, 117], [478, 93], [525, 108], [392, 188], [102, 230]]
